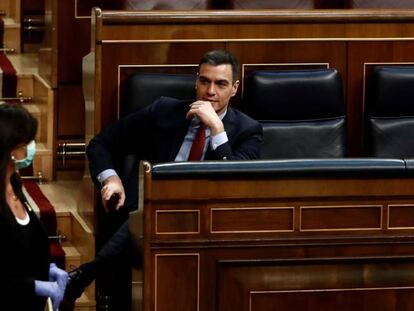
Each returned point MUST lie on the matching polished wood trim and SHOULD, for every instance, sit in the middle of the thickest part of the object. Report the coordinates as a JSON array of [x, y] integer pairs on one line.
[[197, 255], [96, 26], [256, 16], [300, 188], [389, 212], [171, 211], [356, 207], [282, 39], [256, 208], [76, 11], [330, 290]]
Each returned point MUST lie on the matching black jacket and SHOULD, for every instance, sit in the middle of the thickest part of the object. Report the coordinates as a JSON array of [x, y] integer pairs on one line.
[[21, 264]]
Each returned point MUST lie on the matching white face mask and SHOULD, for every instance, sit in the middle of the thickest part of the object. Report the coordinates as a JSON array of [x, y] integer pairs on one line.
[[30, 153]]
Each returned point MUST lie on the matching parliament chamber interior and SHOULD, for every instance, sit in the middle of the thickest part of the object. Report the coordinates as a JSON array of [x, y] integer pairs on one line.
[[323, 220]]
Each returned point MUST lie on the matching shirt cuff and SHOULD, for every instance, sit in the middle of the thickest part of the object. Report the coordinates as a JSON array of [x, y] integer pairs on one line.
[[105, 174], [218, 140]]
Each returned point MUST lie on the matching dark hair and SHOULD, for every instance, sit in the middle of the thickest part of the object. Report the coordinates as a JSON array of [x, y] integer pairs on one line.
[[17, 126], [220, 57]]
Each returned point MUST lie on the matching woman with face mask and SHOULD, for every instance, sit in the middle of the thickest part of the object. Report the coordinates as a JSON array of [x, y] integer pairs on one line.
[[27, 277]]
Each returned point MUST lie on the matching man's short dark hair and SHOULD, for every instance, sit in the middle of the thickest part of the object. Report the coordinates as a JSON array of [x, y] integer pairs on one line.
[[220, 57]]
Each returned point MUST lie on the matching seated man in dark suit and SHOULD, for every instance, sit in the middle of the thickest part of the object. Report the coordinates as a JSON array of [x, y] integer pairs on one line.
[[172, 130]]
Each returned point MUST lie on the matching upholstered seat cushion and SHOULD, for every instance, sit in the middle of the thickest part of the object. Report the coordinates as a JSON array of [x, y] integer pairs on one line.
[[309, 139], [302, 112], [392, 137]]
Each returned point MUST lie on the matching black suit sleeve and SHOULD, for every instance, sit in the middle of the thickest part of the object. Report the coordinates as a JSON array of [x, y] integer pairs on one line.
[[123, 137], [245, 139]]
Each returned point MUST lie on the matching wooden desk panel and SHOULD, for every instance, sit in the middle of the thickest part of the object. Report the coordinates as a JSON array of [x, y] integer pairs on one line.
[[278, 243], [314, 285]]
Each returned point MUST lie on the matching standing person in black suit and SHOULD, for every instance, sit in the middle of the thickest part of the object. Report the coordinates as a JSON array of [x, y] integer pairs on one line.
[[172, 130], [27, 277]]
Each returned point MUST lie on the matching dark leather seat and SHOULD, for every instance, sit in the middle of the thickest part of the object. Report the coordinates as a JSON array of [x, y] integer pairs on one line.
[[142, 89], [389, 113], [302, 112]]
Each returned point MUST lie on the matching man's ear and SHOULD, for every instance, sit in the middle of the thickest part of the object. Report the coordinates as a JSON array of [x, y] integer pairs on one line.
[[235, 88]]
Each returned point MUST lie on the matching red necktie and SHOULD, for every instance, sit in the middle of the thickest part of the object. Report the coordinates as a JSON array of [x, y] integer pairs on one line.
[[197, 147]]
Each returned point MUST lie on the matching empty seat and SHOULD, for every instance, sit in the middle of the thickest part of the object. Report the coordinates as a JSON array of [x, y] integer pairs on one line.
[[302, 112], [389, 113]]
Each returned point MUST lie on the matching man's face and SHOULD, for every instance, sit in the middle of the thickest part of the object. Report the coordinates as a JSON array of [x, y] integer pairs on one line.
[[215, 84]]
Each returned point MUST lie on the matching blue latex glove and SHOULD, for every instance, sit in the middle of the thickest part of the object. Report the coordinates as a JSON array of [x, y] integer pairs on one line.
[[49, 289], [58, 275]]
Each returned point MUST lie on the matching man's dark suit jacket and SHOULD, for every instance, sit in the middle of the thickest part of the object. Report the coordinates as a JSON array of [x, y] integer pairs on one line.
[[156, 134]]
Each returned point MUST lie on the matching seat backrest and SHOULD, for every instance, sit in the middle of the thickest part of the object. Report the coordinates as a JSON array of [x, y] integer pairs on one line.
[[302, 112], [389, 112], [380, 4], [142, 89]]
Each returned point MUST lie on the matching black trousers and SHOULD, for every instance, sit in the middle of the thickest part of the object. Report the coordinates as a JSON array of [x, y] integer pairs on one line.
[[113, 279]]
